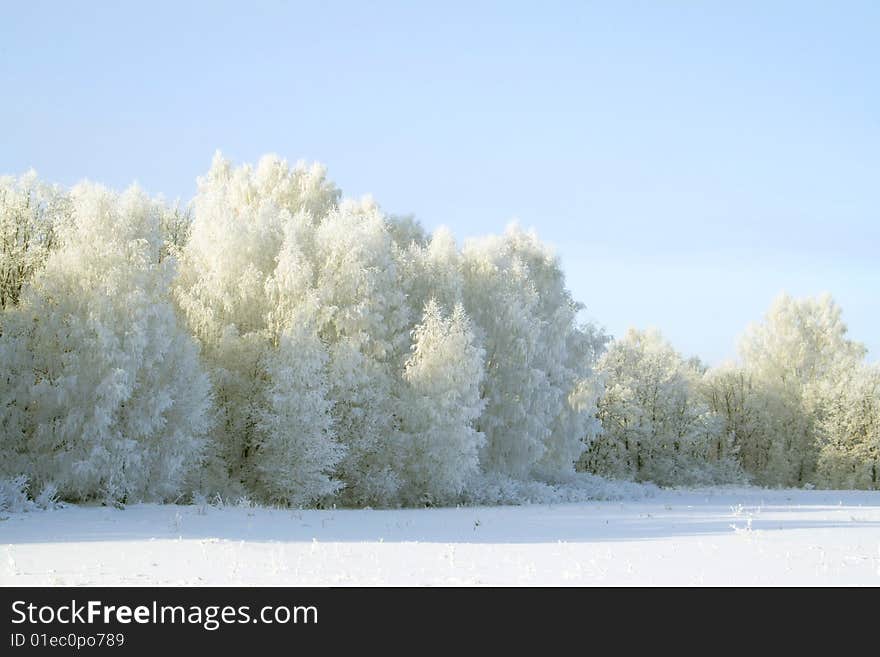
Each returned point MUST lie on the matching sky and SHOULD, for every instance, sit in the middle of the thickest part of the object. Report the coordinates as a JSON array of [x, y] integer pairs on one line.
[[688, 160]]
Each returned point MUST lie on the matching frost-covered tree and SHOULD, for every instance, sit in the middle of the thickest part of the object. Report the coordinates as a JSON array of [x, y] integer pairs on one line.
[[576, 424], [438, 445], [656, 426], [794, 356], [246, 276], [296, 447], [539, 402], [432, 269], [31, 215], [175, 225], [296, 452], [365, 320], [406, 231], [733, 398], [849, 428], [803, 341], [757, 419], [102, 392]]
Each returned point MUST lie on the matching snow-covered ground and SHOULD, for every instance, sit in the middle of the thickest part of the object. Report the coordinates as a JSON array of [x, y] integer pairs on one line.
[[712, 536]]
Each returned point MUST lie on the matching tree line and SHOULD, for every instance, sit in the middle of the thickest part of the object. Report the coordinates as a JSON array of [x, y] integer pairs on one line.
[[274, 340]]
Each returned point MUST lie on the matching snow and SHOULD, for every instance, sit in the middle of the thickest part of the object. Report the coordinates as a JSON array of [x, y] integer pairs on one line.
[[741, 536]]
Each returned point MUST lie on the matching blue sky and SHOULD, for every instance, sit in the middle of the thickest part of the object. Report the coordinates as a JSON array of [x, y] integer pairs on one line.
[[690, 160]]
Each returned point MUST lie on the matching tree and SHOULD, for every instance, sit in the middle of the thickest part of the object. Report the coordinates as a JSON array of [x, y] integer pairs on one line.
[[246, 284], [656, 426], [438, 445], [849, 427], [297, 450], [31, 214], [103, 392], [536, 389], [795, 355], [432, 269], [800, 342], [175, 225], [364, 320]]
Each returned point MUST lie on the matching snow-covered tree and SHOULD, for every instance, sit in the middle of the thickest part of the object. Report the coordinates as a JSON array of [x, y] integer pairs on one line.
[[246, 276], [296, 451], [406, 231], [437, 442], [794, 356], [656, 426], [365, 320], [732, 396], [803, 341], [175, 224], [756, 419], [577, 425], [102, 392], [537, 391], [31, 215], [432, 269], [849, 428]]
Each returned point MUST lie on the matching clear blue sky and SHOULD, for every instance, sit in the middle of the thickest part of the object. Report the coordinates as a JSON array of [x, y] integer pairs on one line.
[[689, 160]]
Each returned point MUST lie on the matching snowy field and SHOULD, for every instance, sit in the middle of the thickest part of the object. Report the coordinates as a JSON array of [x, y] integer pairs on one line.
[[711, 537]]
